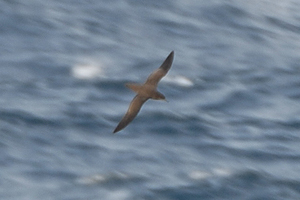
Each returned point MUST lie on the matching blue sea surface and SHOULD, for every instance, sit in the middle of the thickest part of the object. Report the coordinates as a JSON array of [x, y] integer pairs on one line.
[[231, 126]]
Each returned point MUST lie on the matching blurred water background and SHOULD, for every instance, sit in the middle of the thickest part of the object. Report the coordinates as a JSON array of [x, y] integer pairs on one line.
[[229, 131]]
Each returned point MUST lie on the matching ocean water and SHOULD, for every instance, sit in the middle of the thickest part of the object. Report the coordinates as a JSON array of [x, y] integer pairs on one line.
[[229, 131]]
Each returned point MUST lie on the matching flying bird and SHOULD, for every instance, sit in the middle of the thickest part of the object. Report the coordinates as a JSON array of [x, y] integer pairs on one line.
[[145, 91]]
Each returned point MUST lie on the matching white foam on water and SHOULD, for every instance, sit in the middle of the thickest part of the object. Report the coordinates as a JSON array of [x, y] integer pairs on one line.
[[201, 175], [101, 178], [179, 80], [87, 71]]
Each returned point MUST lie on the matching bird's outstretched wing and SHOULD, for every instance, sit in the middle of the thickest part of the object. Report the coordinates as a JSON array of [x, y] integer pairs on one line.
[[132, 111], [155, 77]]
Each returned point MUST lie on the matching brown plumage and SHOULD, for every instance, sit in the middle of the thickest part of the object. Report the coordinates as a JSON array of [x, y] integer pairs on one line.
[[145, 92]]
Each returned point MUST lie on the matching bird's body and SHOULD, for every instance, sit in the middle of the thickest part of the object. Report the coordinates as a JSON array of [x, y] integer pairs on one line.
[[146, 91]]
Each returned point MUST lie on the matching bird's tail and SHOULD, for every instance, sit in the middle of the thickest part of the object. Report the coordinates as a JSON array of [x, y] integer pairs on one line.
[[135, 87]]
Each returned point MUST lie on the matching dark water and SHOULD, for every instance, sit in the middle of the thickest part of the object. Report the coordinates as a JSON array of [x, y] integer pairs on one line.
[[229, 131]]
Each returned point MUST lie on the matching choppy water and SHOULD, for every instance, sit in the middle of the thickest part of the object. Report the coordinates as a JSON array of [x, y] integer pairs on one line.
[[229, 131]]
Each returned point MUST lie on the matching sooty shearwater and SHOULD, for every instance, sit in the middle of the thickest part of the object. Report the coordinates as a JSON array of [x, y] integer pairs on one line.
[[145, 92]]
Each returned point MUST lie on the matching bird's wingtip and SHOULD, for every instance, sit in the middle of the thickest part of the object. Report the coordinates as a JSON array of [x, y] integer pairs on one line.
[[116, 130], [170, 56]]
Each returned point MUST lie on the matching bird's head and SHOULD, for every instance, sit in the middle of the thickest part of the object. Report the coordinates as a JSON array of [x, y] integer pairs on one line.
[[159, 96]]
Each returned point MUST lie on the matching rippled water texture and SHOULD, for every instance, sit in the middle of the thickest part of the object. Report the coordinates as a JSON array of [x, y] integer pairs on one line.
[[229, 131]]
